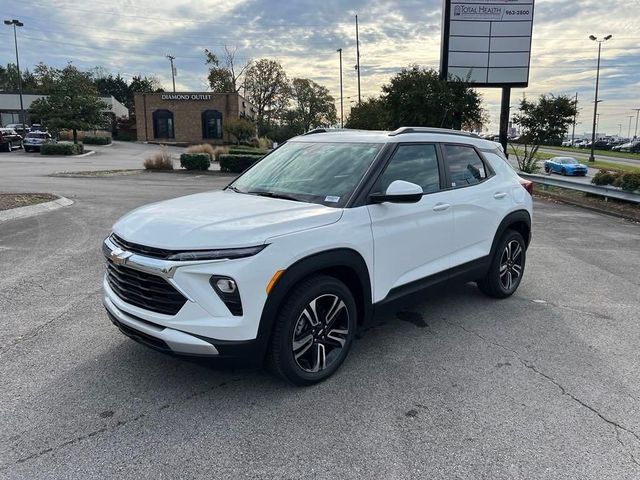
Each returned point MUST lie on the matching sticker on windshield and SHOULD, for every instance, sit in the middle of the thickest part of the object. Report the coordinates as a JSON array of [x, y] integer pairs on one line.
[[331, 199]]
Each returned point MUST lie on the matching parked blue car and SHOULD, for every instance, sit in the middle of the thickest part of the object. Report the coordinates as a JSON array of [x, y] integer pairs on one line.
[[565, 166]]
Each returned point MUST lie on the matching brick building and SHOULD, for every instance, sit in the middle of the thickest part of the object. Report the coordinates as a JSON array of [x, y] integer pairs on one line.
[[188, 117]]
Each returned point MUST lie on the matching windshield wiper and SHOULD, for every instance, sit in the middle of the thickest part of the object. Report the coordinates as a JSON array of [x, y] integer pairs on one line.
[[236, 189], [264, 193]]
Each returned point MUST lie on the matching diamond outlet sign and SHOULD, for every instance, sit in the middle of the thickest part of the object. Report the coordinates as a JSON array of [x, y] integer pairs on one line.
[[487, 42]]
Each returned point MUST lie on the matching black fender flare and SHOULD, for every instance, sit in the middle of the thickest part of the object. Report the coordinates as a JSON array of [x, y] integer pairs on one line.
[[514, 217], [339, 258]]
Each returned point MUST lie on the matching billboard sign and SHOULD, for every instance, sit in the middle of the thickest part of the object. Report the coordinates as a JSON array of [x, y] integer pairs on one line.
[[487, 41]]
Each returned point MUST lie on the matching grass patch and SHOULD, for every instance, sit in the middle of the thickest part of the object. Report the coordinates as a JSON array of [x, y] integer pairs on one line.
[[612, 166], [16, 200]]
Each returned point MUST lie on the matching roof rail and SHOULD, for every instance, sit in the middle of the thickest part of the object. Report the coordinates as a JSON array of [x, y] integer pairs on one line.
[[403, 130], [329, 130], [316, 130]]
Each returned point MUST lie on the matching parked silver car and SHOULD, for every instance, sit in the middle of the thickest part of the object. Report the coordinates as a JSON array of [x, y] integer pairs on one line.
[[34, 140]]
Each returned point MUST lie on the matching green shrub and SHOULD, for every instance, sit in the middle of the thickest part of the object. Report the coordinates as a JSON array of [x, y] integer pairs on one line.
[[237, 163], [61, 149], [195, 161], [630, 181], [605, 177], [246, 151], [87, 140]]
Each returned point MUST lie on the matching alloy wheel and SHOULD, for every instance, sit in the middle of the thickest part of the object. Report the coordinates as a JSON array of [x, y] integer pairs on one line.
[[320, 333], [511, 265]]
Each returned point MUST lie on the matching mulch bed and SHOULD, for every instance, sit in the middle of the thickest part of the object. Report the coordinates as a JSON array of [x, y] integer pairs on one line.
[[15, 200], [614, 207]]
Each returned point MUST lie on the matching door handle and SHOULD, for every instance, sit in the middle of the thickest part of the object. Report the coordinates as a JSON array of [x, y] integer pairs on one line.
[[441, 207], [499, 195]]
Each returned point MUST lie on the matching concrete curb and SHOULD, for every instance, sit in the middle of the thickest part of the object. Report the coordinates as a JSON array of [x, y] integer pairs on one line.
[[32, 210], [90, 152]]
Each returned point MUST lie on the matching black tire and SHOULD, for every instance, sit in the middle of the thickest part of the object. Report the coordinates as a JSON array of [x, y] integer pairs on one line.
[[563, 171], [547, 169], [9, 147], [502, 284], [293, 327]]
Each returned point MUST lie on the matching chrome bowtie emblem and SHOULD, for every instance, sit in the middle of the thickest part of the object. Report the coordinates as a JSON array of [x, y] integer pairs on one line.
[[119, 256]]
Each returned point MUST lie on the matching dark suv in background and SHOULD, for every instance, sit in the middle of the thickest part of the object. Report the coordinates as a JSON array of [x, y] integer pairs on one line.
[[9, 139]]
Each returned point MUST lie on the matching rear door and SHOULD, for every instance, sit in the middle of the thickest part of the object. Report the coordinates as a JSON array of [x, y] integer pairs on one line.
[[480, 202], [411, 241]]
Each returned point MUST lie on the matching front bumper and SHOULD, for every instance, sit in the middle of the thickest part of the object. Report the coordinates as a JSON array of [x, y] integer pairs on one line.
[[203, 326]]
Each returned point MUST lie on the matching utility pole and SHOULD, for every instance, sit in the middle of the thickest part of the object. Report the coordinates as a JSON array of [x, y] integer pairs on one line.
[[629, 132], [173, 71], [17, 23], [595, 104], [637, 110], [358, 59], [573, 133], [341, 97], [619, 130]]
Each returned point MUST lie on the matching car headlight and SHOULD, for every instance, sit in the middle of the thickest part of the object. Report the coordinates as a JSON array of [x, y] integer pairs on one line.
[[220, 254]]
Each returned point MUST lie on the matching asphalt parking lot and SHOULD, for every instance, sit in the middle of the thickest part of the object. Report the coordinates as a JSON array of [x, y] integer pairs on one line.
[[542, 385]]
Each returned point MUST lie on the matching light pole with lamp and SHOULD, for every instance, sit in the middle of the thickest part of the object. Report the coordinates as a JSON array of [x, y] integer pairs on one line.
[[17, 23], [341, 98], [630, 117], [595, 104]]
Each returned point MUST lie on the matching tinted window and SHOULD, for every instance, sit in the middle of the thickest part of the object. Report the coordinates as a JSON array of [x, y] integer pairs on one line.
[[412, 163], [163, 124], [465, 166]]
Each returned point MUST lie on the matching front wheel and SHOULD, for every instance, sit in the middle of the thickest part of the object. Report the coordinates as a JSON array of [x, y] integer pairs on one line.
[[507, 267], [314, 330], [563, 172]]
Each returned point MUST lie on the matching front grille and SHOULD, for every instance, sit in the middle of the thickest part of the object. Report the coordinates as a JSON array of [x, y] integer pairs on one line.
[[144, 290], [153, 252]]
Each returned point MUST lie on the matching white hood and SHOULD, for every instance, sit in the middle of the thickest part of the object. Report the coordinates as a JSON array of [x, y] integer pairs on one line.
[[222, 219]]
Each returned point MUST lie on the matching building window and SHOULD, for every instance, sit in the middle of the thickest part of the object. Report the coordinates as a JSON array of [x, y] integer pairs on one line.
[[212, 124], [163, 124]]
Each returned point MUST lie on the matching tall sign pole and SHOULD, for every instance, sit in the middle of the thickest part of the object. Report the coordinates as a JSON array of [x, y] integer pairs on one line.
[[358, 59]]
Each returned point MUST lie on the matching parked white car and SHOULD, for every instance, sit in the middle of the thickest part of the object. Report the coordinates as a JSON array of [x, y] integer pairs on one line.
[[296, 254]]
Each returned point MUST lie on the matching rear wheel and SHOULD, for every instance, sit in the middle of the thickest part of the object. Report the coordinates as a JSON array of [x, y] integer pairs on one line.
[[314, 331], [507, 267], [563, 171]]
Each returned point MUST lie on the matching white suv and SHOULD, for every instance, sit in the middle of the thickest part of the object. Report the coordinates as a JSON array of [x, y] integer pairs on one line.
[[296, 254]]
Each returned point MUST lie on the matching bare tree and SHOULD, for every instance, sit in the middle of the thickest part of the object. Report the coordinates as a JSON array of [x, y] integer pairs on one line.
[[224, 74]]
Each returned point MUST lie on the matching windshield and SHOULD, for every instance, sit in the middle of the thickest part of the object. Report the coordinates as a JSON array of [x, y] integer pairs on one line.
[[36, 135], [567, 161], [325, 173]]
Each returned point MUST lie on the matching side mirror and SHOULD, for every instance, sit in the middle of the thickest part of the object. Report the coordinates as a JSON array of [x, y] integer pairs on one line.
[[399, 192]]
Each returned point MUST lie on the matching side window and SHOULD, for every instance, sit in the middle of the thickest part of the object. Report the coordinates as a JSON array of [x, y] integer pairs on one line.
[[412, 163], [163, 124], [464, 165]]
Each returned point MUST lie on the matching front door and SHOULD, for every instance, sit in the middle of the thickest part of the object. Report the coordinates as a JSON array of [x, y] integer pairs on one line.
[[411, 241]]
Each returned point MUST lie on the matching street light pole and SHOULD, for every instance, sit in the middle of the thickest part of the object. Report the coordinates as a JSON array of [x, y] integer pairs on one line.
[[595, 104], [341, 98], [637, 110], [619, 130], [629, 132], [358, 59], [173, 71], [18, 23], [573, 132]]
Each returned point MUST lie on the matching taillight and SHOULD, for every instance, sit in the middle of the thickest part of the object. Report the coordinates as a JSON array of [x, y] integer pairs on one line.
[[527, 185]]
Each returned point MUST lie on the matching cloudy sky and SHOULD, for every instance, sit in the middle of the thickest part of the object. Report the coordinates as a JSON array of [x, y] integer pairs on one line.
[[133, 36]]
